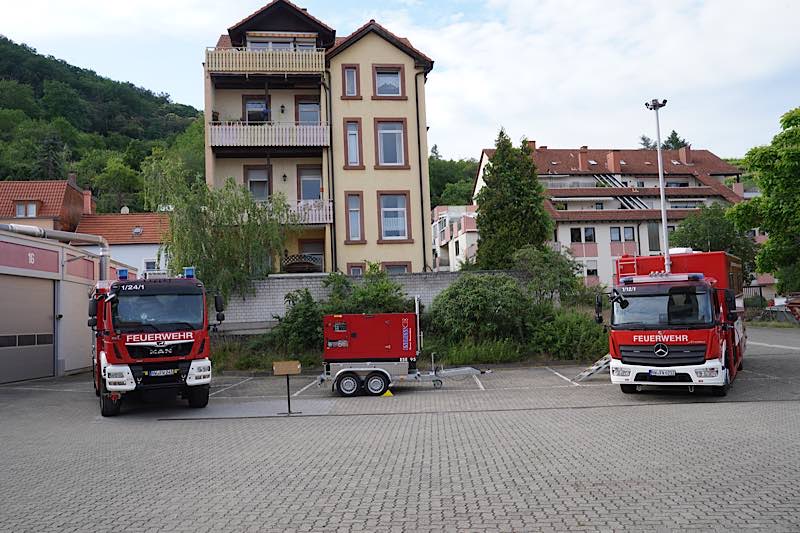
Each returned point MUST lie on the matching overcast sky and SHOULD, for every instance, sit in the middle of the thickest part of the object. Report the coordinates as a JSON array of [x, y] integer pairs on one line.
[[564, 73]]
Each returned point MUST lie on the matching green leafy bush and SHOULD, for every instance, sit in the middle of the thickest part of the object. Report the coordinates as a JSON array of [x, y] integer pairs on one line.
[[300, 329], [570, 335], [484, 352], [481, 307]]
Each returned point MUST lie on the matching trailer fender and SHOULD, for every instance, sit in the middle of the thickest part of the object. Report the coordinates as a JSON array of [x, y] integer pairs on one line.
[[365, 371]]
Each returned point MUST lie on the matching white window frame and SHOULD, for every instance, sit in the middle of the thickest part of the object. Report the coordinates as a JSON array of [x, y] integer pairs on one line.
[[350, 90], [389, 71], [353, 143], [308, 174], [398, 135], [150, 260], [385, 210], [353, 268], [258, 179], [21, 210], [354, 229]]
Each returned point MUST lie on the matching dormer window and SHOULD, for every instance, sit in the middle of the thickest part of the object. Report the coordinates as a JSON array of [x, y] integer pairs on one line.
[[26, 210]]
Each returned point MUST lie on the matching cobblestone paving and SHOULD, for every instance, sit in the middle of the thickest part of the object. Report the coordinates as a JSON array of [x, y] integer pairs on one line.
[[531, 452]]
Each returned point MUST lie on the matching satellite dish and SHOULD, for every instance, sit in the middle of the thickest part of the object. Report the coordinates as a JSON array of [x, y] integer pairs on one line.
[[124, 210]]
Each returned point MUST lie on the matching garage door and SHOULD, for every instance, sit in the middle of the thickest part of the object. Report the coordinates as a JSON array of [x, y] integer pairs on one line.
[[26, 328]]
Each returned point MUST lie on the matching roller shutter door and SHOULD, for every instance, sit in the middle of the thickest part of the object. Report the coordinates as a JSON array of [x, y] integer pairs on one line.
[[26, 328]]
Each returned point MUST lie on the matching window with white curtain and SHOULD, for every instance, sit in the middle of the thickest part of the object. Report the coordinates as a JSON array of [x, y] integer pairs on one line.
[[353, 156], [394, 216]]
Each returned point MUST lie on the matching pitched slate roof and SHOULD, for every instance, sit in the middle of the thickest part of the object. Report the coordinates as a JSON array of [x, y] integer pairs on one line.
[[50, 194], [118, 228]]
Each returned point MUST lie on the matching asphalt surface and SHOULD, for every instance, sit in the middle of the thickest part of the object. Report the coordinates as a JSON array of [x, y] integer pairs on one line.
[[520, 449]]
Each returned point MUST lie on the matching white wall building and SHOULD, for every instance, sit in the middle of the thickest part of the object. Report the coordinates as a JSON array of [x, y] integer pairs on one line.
[[605, 202], [454, 236]]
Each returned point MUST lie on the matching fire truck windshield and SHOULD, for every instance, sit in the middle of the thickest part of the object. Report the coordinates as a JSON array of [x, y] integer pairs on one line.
[[159, 312], [675, 307]]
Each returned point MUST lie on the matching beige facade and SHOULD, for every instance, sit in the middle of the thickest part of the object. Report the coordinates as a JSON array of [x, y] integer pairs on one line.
[[262, 83]]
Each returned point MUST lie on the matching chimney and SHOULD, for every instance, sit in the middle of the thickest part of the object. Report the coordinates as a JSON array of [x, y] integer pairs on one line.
[[612, 162], [88, 203], [543, 148], [738, 187], [72, 179], [532, 145], [583, 158], [685, 155]]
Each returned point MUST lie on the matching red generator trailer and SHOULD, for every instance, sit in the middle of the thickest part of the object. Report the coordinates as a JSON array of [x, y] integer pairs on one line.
[[371, 352], [676, 329]]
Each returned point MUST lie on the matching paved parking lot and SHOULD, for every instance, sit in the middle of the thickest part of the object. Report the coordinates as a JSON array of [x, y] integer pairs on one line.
[[516, 450]]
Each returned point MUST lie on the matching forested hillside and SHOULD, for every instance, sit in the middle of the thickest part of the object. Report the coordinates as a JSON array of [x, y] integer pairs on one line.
[[55, 117]]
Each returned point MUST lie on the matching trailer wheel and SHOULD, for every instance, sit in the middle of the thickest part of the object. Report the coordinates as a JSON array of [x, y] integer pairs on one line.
[[348, 385], [198, 396], [628, 389], [376, 384], [108, 407], [437, 383]]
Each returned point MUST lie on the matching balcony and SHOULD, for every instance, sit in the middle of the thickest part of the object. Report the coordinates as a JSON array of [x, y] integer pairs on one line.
[[246, 61], [293, 134], [314, 211], [302, 263]]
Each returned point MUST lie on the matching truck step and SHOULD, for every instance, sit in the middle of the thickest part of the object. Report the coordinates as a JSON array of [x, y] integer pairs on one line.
[[598, 366]]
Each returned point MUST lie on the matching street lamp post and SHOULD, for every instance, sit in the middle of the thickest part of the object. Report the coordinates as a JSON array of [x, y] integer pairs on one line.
[[655, 105]]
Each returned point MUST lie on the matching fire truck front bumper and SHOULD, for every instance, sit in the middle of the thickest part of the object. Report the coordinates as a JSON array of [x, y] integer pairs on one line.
[[119, 378], [711, 373]]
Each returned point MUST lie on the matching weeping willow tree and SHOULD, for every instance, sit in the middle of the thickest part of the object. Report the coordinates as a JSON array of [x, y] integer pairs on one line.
[[230, 238]]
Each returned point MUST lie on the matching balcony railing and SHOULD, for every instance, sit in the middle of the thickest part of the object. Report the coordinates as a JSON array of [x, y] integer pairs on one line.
[[314, 211], [246, 61], [303, 263], [236, 133]]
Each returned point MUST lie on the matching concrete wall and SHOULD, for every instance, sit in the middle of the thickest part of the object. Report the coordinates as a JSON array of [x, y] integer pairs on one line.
[[133, 254], [255, 313]]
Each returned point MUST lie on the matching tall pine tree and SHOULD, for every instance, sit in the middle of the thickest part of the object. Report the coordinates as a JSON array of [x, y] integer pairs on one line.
[[511, 211]]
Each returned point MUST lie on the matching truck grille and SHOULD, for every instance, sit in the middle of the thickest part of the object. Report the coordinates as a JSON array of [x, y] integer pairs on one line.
[[143, 351], [644, 354]]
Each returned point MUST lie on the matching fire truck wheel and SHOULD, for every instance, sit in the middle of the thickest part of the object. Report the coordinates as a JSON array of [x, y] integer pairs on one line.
[[722, 390], [348, 385], [628, 389], [198, 396], [108, 407], [377, 383]]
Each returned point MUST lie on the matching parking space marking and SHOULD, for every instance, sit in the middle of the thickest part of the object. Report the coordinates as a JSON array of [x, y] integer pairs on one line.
[[478, 382], [780, 346], [42, 389], [562, 376], [231, 386], [304, 388]]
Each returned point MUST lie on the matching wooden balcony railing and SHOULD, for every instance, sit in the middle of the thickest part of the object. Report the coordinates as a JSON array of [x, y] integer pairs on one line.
[[314, 211], [246, 61], [238, 133], [303, 263]]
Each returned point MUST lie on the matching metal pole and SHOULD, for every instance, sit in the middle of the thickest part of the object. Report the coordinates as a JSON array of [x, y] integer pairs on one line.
[[288, 397], [655, 105]]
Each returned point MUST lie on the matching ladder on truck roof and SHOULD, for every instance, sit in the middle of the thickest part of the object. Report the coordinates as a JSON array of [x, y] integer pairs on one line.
[[598, 366]]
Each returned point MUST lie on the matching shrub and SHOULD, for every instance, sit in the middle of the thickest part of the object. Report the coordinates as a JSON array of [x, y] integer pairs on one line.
[[481, 307], [549, 274], [570, 335], [485, 352], [755, 302], [300, 329]]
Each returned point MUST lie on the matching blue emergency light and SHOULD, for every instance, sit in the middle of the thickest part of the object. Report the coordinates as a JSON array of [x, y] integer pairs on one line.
[[122, 274], [188, 272]]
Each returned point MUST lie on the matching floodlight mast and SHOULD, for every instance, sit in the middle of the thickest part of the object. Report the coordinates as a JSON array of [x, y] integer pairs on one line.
[[654, 105]]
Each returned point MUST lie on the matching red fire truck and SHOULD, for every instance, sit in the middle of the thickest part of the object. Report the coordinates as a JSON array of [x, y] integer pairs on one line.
[[371, 352], [681, 328], [151, 334]]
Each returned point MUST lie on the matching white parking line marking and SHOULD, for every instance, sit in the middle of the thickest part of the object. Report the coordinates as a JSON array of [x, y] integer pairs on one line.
[[562, 376], [304, 388], [480, 385], [782, 347], [43, 389], [231, 386]]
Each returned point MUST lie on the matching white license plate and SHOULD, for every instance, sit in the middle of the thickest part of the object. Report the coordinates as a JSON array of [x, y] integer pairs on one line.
[[167, 372], [662, 372]]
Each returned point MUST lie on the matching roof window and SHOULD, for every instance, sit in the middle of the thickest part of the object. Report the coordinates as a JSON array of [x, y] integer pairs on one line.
[[137, 231], [622, 162], [676, 162], [592, 162]]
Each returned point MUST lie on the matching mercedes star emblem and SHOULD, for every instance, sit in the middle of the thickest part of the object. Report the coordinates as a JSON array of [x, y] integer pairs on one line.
[[660, 350]]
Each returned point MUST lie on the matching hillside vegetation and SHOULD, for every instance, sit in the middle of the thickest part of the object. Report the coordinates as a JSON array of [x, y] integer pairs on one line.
[[55, 117]]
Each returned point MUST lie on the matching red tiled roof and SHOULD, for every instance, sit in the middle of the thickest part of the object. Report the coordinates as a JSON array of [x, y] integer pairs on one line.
[[401, 42], [118, 228], [224, 41], [49, 193], [290, 4]]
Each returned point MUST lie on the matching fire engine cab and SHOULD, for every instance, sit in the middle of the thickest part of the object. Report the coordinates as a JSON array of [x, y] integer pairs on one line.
[[681, 328], [151, 334]]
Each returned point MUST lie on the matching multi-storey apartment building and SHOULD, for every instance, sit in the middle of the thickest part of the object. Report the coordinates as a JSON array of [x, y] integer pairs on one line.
[[454, 234], [335, 125], [605, 202]]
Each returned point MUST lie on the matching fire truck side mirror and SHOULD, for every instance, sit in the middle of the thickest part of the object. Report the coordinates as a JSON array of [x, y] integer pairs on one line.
[[219, 304], [598, 308], [92, 322], [93, 308]]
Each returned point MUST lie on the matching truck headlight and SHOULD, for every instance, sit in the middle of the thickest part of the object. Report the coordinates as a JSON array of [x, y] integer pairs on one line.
[[707, 372], [621, 372]]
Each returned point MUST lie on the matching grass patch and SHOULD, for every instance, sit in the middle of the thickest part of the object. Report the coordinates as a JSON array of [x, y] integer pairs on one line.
[[771, 324], [238, 354]]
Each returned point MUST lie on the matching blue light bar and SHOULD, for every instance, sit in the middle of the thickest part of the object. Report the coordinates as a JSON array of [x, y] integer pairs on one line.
[[626, 280], [188, 272], [696, 277], [122, 274]]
